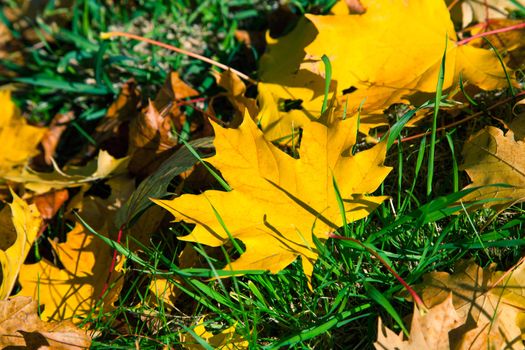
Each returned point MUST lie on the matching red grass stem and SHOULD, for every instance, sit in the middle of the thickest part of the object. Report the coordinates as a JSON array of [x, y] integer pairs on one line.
[[409, 289], [491, 32], [113, 261]]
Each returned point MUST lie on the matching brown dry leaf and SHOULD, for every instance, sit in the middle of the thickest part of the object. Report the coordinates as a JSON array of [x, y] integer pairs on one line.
[[173, 90], [152, 132], [235, 91], [21, 328], [150, 136], [52, 136], [49, 203], [73, 292], [251, 38], [489, 304], [428, 331], [19, 140], [112, 133], [227, 339], [492, 157], [268, 184], [19, 225], [517, 125]]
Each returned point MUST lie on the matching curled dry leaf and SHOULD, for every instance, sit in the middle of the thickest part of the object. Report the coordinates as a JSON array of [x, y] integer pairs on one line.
[[100, 168], [268, 184], [227, 339], [48, 204], [52, 136], [19, 226], [19, 140], [21, 328], [390, 52], [150, 136], [154, 132], [473, 308], [485, 10], [493, 157], [112, 132]]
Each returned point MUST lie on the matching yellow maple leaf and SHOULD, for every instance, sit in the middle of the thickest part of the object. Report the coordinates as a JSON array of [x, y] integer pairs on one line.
[[390, 52], [492, 157], [19, 225], [19, 140], [74, 291], [77, 288], [277, 202]]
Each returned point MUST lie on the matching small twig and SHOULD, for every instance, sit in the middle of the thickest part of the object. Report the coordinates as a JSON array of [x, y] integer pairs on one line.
[[454, 3], [451, 125], [109, 35], [415, 296], [491, 32]]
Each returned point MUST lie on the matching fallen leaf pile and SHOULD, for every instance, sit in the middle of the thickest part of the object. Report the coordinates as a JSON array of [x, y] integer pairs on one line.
[[292, 158]]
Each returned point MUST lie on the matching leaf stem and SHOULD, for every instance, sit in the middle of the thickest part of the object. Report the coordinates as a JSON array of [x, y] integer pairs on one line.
[[491, 32]]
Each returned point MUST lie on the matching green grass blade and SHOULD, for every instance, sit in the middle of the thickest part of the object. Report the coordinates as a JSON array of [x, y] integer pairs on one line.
[[419, 162], [437, 100], [199, 340], [64, 85], [380, 299], [341, 207], [217, 177], [507, 76], [327, 82], [309, 333], [462, 88], [455, 168]]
